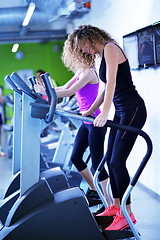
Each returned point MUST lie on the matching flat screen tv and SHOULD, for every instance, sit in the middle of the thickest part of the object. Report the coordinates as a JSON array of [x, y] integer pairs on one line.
[[130, 47], [145, 47], [157, 43]]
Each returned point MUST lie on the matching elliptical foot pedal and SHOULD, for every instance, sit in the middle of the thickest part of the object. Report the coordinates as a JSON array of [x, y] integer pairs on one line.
[[104, 221], [118, 234]]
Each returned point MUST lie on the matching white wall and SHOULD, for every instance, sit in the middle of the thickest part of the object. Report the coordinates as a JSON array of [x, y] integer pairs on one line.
[[120, 18]]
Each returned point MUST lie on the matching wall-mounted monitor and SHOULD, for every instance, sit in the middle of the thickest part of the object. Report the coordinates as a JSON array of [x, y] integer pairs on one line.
[[142, 47], [145, 47], [157, 43]]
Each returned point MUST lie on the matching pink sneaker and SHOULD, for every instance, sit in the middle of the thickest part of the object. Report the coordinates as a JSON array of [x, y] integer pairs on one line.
[[120, 223], [110, 211]]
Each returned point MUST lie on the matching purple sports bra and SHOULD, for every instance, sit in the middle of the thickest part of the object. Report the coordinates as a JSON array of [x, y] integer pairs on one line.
[[86, 96]]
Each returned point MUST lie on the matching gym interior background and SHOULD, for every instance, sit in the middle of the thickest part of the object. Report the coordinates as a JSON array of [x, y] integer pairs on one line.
[[119, 18]]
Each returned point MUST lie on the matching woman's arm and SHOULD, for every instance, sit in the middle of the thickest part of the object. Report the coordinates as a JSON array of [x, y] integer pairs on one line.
[[67, 84], [97, 103], [74, 86], [111, 58], [39, 88]]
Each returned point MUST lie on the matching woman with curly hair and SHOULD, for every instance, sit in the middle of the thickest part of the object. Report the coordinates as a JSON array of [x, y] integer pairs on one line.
[[85, 84], [87, 42]]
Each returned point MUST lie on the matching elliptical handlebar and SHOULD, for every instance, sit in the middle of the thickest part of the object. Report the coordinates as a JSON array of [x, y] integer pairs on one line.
[[33, 81], [24, 87], [9, 81], [43, 78], [52, 98], [17, 84]]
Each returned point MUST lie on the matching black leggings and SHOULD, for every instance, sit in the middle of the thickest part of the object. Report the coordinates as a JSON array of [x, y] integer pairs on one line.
[[120, 144], [91, 136]]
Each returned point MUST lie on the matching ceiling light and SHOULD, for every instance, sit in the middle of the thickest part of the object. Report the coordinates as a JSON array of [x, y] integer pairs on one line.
[[29, 14], [15, 47]]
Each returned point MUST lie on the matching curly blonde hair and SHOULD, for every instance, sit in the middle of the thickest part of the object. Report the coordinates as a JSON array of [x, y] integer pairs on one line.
[[73, 56]]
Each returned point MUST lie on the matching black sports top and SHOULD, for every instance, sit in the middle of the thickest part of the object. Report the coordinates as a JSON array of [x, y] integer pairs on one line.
[[125, 91]]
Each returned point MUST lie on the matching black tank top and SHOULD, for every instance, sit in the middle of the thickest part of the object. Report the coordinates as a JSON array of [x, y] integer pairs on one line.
[[125, 92]]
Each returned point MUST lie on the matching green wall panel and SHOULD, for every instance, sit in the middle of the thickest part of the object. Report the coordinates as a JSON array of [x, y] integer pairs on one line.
[[46, 56]]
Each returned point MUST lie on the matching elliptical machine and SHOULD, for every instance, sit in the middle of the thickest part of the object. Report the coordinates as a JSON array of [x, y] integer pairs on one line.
[[63, 214], [40, 211]]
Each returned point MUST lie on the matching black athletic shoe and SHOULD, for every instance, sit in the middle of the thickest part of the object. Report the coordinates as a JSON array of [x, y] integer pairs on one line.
[[93, 201], [93, 198], [92, 194]]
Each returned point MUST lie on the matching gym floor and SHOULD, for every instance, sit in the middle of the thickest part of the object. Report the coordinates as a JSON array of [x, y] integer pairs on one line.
[[145, 206]]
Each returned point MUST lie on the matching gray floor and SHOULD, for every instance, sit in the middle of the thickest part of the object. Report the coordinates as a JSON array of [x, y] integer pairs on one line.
[[145, 207], [147, 212]]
